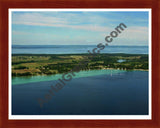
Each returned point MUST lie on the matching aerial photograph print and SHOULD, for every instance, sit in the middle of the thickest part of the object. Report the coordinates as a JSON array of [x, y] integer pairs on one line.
[[79, 62]]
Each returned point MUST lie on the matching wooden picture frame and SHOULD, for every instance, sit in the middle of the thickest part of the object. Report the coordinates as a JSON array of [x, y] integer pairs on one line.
[[4, 53]]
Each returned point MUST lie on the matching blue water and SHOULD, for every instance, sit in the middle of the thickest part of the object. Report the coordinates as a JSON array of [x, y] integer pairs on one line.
[[31, 79], [70, 49], [124, 93], [121, 60]]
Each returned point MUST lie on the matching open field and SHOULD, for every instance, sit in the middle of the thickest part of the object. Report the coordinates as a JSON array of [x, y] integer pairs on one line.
[[47, 64]]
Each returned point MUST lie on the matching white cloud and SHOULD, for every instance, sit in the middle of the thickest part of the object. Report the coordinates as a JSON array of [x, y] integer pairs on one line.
[[67, 20], [86, 21]]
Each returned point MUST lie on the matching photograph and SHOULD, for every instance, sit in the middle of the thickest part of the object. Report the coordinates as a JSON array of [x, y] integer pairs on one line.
[[80, 63]]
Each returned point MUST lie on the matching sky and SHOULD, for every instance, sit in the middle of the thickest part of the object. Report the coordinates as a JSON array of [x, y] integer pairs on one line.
[[78, 27]]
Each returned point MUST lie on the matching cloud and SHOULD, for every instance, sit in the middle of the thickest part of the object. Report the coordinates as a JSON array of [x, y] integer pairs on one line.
[[90, 22], [73, 21], [19, 32]]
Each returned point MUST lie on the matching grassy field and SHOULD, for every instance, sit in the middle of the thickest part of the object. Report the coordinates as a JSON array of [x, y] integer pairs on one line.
[[29, 64]]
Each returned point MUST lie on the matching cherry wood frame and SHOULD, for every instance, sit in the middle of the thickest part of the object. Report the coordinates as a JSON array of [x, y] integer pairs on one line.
[[6, 4]]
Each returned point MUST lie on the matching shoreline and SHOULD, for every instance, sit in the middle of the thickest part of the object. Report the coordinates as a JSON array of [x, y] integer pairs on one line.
[[70, 54], [81, 74], [81, 71]]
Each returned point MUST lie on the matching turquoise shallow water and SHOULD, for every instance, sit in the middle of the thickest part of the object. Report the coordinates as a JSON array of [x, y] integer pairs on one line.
[[31, 79]]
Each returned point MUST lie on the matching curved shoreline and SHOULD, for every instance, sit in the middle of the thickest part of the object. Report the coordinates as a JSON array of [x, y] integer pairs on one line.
[[87, 73], [85, 70]]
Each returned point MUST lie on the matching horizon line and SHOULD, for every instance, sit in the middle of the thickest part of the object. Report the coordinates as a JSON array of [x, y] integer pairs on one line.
[[71, 44]]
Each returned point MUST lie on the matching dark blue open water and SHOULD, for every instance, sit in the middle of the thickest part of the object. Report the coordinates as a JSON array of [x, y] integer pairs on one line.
[[123, 93], [70, 49]]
